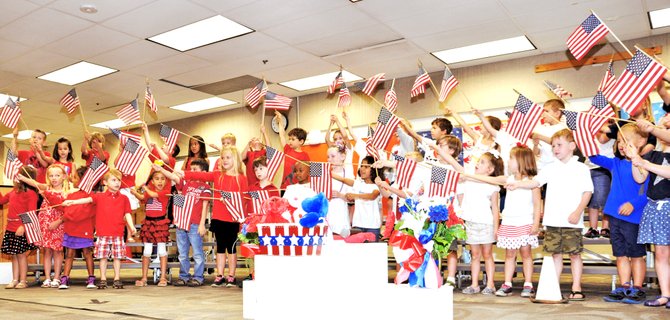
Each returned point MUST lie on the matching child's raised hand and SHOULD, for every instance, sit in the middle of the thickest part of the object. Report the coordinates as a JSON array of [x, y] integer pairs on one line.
[[626, 209], [645, 125], [263, 129], [478, 113], [447, 110], [333, 118]]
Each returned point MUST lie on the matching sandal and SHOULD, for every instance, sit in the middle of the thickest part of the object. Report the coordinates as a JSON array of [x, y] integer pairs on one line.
[[180, 282], [21, 285], [12, 284], [102, 284], [140, 283], [118, 284], [577, 296], [162, 283], [194, 283], [605, 233], [656, 302]]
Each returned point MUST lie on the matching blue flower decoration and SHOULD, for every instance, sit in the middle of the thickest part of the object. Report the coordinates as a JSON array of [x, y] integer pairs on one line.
[[244, 229], [439, 213], [410, 205]]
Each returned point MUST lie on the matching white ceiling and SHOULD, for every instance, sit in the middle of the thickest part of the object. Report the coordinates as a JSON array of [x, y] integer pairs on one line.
[[299, 38]]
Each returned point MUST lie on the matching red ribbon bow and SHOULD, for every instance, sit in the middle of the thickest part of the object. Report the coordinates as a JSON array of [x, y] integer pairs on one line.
[[407, 242]]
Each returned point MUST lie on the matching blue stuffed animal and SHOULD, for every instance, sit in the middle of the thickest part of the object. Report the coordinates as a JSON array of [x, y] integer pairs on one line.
[[316, 208]]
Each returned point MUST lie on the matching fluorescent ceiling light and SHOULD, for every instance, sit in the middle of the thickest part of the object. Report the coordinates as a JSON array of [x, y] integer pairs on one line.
[[204, 104], [485, 50], [322, 80], [201, 33], [77, 73], [23, 135], [3, 98], [659, 18], [112, 124]]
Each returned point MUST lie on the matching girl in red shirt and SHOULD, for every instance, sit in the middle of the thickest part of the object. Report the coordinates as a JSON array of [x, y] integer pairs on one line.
[[62, 154]]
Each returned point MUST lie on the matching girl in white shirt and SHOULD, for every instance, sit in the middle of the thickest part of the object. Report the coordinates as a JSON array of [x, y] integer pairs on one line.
[[338, 210]]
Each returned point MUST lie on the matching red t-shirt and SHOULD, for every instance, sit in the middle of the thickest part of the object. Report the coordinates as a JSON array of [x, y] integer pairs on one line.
[[156, 207], [289, 162], [195, 188], [127, 181], [167, 166], [79, 220], [19, 202], [270, 188], [222, 182], [251, 156], [28, 157], [110, 209], [92, 152]]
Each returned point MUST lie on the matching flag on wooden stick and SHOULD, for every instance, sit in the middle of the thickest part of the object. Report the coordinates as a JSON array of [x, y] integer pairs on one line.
[[124, 136], [95, 171], [580, 124], [11, 113], [601, 111], [640, 77], [257, 199], [31, 225], [449, 82], [129, 113], [275, 159], [369, 86], [336, 83], [587, 34], [12, 165], [254, 95], [419, 86], [391, 99], [131, 157], [320, 178], [386, 125], [182, 207], [404, 170], [525, 117], [150, 100], [277, 101], [234, 204], [344, 99], [557, 90], [442, 182], [70, 101], [169, 136], [608, 81]]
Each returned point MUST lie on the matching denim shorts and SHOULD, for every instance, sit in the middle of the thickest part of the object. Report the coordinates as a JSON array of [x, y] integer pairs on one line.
[[602, 180], [623, 237]]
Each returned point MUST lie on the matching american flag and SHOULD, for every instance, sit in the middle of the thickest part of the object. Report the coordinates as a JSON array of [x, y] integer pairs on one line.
[[150, 100], [641, 75], [257, 199], [153, 204], [442, 182], [601, 111], [169, 136], [129, 113], [370, 149], [234, 204], [10, 113], [336, 83], [253, 97], [525, 117], [31, 226], [386, 125], [608, 81], [420, 82], [404, 170], [275, 158], [320, 179], [277, 101], [369, 86], [391, 100], [123, 136], [449, 82], [70, 101], [586, 36], [557, 90], [12, 165], [131, 157], [580, 124], [95, 171], [182, 207], [344, 99]]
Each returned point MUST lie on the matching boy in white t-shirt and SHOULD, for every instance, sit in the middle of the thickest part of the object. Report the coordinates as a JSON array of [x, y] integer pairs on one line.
[[439, 128]]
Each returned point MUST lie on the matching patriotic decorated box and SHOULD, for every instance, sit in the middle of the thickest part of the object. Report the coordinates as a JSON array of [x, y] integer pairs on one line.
[[291, 239]]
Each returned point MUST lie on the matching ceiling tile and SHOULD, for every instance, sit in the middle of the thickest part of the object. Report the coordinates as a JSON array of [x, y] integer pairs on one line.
[[42, 26], [496, 30], [78, 45], [169, 66], [263, 14], [11, 49], [16, 10], [384, 10], [106, 9], [656, 4], [36, 63], [132, 55], [237, 48], [357, 39], [224, 6]]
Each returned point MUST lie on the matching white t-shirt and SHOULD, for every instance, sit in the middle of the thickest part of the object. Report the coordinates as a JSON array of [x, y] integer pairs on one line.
[[476, 205], [566, 183], [366, 212], [474, 152], [428, 153], [338, 210], [518, 206], [546, 154]]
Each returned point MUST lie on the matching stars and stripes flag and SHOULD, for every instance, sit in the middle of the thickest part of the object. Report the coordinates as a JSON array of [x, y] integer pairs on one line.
[[257, 199], [129, 113], [153, 204], [234, 204], [587, 34], [12, 165], [608, 81], [404, 170], [442, 182], [320, 178], [11, 113], [391, 99], [344, 99], [124, 136], [150, 100], [277, 101], [32, 227], [557, 90], [386, 125], [370, 149], [131, 157], [254, 95], [641, 75], [93, 174], [70, 101], [601, 111], [580, 124], [525, 117], [275, 159], [369, 86], [182, 207], [449, 82], [420, 82], [169, 136], [336, 83]]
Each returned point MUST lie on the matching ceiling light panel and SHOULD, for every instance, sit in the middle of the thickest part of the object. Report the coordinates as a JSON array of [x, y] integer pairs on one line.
[[485, 50], [659, 18], [77, 73], [322, 80], [204, 104], [201, 33]]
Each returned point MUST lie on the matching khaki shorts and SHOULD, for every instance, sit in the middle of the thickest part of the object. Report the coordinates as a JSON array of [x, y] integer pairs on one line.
[[563, 240]]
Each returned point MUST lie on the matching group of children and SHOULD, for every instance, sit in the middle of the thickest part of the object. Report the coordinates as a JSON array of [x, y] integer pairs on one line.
[[501, 199]]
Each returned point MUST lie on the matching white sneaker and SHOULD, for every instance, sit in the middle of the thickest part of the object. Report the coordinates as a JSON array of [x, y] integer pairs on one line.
[[55, 283], [46, 283]]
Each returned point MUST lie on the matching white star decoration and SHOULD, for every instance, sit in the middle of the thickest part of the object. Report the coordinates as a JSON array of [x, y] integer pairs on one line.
[[265, 240], [280, 240], [294, 240]]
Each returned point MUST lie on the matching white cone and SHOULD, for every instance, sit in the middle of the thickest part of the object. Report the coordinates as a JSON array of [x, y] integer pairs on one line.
[[548, 288]]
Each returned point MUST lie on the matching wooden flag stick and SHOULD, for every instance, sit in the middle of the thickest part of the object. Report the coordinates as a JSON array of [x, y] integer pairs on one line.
[[612, 33], [83, 120], [565, 102], [144, 112]]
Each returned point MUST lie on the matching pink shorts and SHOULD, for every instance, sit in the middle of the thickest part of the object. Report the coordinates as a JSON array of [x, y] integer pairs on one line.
[[107, 246]]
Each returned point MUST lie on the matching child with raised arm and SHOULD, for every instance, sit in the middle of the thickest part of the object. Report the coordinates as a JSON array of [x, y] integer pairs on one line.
[[93, 146], [439, 128], [36, 156], [252, 151], [624, 206], [338, 210], [292, 150], [168, 156], [154, 230], [553, 121], [78, 223], [22, 198], [112, 214], [225, 224], [569, 189], [483, 141]]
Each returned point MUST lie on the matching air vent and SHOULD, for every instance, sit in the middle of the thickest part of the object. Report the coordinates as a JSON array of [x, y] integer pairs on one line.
[[223, 86]]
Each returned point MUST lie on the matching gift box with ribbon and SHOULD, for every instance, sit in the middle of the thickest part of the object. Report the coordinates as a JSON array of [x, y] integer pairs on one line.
[[291, 239]]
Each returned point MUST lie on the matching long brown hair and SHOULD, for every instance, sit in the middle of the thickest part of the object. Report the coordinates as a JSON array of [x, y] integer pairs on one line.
[[525, 159]]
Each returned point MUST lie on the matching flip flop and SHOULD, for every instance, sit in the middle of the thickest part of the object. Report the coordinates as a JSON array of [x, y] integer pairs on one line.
[[574, 293], [162, 283], [140, 283]]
